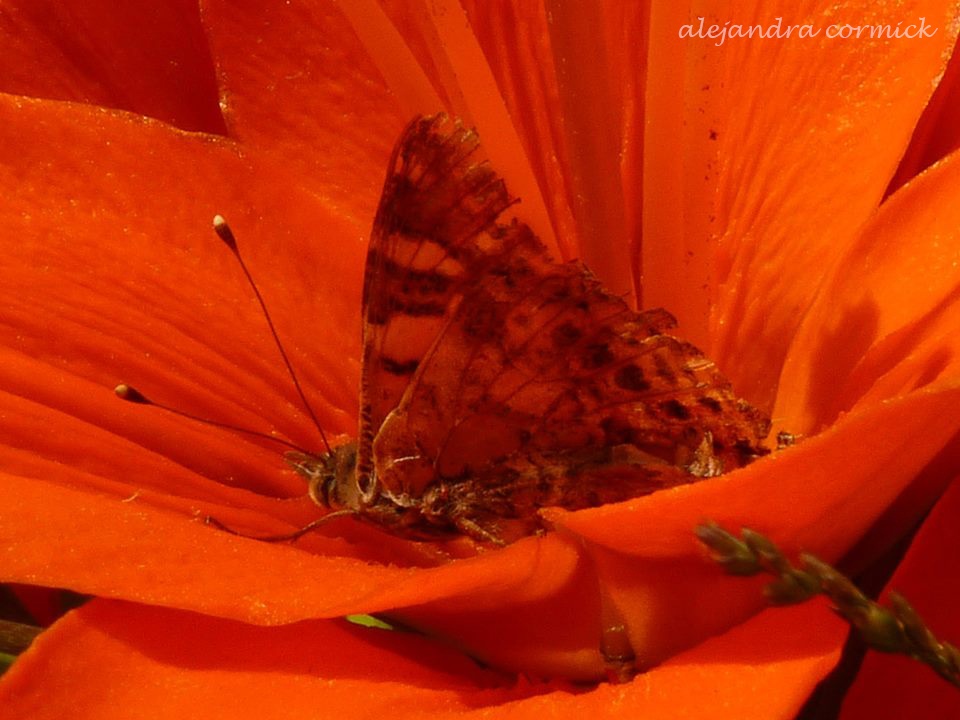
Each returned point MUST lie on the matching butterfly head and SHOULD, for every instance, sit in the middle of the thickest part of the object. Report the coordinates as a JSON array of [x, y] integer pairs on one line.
[[331, 476]]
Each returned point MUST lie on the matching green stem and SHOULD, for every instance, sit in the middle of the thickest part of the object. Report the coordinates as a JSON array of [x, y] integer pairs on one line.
[[897, 629]]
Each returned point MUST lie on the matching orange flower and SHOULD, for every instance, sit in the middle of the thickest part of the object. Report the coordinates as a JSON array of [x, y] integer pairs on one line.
[[759, 165]]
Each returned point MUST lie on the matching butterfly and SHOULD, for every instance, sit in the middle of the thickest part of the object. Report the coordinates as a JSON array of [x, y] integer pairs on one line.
[[496, 381]]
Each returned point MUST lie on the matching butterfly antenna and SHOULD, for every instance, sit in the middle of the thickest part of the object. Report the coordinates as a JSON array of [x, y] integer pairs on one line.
[[131, 394], [226, 234]]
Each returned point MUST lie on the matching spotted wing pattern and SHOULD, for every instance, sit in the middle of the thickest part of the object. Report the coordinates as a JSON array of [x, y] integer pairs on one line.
[[510, 380]]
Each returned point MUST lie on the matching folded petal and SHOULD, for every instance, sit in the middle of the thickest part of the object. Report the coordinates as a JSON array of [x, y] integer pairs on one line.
[[148, 58], [885, 321], [592, 123], [108, 658], [295, 81]]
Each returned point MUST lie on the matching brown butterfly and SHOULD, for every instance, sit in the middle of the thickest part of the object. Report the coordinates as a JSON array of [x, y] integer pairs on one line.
[[496, 381]]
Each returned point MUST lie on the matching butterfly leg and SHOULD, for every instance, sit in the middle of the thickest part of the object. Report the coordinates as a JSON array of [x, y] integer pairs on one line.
[[286, 537], [478, 532]]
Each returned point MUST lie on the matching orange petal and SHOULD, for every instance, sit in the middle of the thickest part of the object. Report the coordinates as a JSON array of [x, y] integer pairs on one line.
[[118, 277], [296, 82], [110, 657], [676, 252], [628, 39], [516, 43], [149, 58], [172, 664], [402, 43], [892, 686], [166, 560], [439, 44], [885, 321], [485, 108], [308, 92], [820, 496], [788, 145], [592, 123], [565, 71]]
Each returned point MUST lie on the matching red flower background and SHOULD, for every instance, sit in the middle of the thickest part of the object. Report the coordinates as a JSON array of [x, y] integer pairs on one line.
[[744, 187]]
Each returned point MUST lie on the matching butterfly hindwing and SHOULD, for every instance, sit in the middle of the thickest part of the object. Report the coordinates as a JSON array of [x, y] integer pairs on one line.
[[539, 361]]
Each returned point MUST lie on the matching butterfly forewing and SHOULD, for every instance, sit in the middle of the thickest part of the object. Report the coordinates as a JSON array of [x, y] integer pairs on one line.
[[426, 247]]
